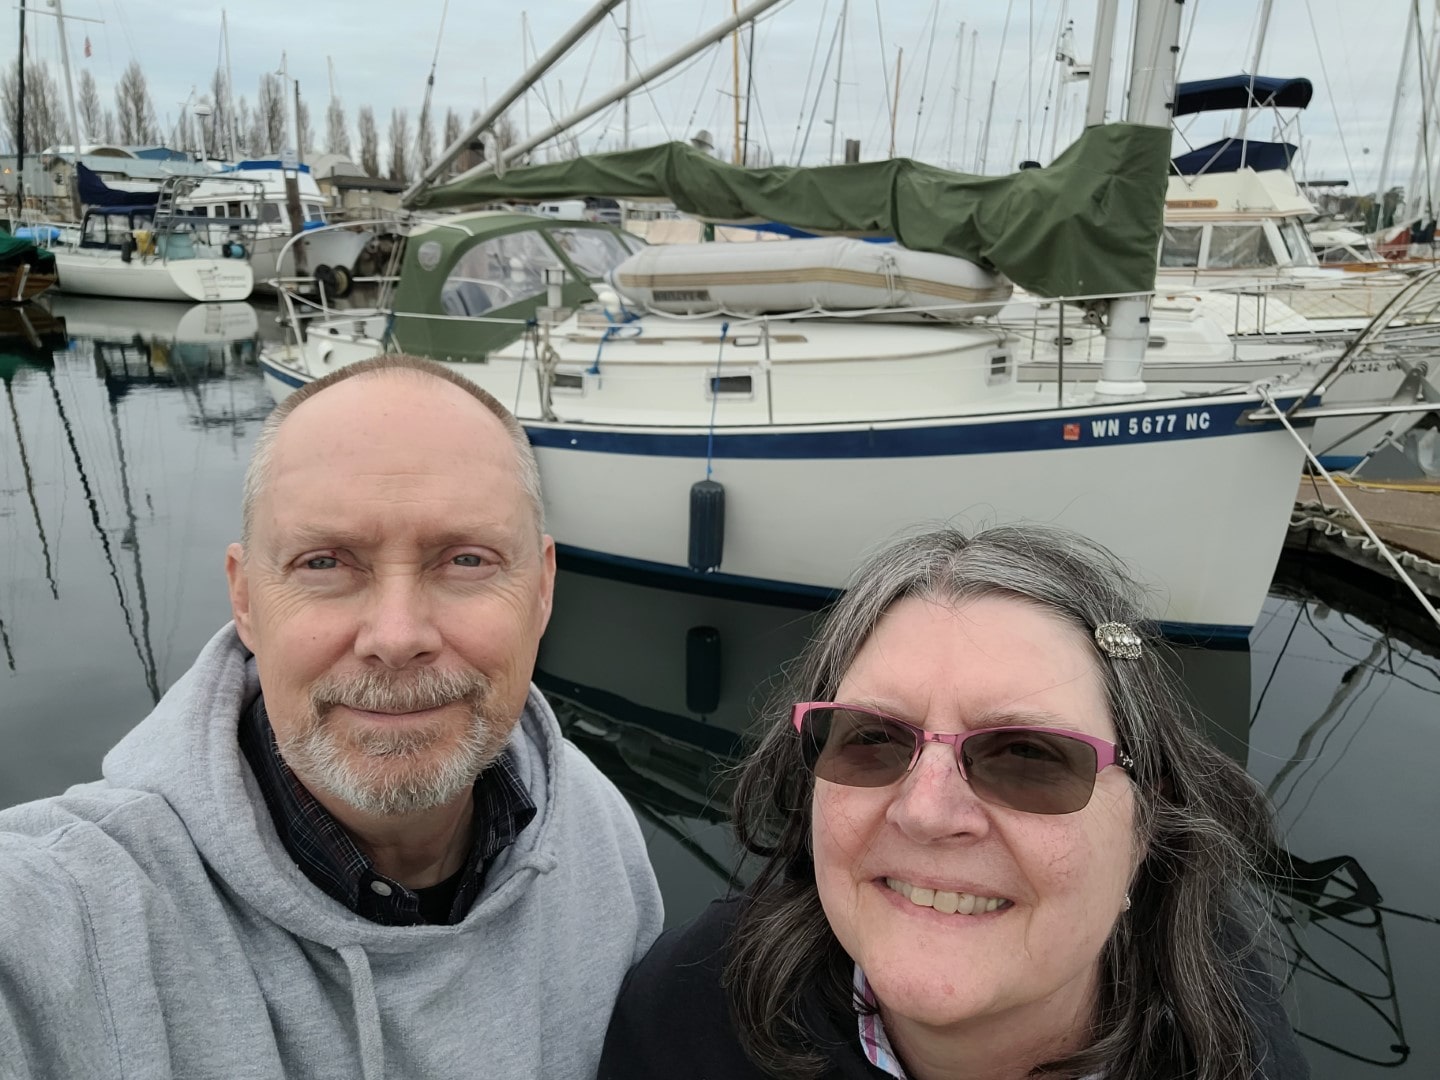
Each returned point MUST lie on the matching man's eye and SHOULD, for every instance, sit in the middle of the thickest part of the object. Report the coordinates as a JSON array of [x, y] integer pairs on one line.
[[322, 562], [469, 560]]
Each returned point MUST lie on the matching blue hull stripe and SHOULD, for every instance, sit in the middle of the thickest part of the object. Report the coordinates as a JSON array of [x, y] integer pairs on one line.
[[816, 594], [1162, 422]]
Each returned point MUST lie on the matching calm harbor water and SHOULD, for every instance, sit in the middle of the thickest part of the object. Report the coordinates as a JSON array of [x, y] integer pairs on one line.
[[121, 454]]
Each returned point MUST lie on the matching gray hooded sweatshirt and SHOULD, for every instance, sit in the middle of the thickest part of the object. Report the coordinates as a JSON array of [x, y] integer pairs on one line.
[[152, 925]]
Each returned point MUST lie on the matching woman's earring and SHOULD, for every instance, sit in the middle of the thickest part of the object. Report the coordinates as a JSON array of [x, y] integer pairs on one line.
[[1127, 903]]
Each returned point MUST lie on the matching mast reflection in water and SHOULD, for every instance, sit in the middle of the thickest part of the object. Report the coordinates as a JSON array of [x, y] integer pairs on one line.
[[121, 457]]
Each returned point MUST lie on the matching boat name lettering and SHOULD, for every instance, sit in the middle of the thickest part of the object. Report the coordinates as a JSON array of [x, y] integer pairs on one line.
[[1168, 423], [682, 295]]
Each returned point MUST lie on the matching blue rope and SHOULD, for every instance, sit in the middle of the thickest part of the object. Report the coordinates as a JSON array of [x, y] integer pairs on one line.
[[610, 332], [715, 402]]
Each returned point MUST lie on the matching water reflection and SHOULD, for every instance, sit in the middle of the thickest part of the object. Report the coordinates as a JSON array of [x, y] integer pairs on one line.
[[121, 448], [121, 457]]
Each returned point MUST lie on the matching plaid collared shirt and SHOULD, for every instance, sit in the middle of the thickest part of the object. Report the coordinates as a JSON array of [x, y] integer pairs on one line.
[[328, 856]]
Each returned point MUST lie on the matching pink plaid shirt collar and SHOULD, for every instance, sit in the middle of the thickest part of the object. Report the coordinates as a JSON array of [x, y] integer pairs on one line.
[[873, 1039]]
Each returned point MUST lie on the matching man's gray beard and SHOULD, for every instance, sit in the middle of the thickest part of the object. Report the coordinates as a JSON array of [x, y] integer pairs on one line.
[[390, 773]]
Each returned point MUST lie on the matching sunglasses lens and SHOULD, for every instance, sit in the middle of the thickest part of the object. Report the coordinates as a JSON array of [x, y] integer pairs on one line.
[[858, 749], [1032, 771]]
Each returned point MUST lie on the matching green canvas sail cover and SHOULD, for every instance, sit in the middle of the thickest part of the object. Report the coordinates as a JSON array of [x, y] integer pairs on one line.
[[1086, 225], [14, 250]]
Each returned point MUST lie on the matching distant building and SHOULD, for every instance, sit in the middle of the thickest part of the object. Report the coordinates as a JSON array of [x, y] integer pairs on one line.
[[353, 193]]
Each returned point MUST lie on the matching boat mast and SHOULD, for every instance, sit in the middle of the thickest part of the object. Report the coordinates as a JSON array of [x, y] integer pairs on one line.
[[1412, 25], [839, 65], [229, 90], [1254, 71], [625, 129], [739, 153], [542, 65], [650, 74], [69, 82], [955, 100], [20, 133], [984, 151], [1150, 101], [1100, 61], [895, 101]]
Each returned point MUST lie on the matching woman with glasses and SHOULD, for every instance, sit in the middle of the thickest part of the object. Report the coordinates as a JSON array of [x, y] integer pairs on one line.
[[992, 843]]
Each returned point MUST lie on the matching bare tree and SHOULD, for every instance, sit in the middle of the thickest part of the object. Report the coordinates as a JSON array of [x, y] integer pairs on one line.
[[112, 129], [219, 125], [270, 115], [369, 142], [500, 137], [452, 135], [425, 140], [43, 124], [244, 128], [92, 113], [133, 108], [306, 137], [337, 132], [399, 145]]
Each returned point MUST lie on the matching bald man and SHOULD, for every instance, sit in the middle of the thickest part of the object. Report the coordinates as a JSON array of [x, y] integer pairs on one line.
[[351, 841]]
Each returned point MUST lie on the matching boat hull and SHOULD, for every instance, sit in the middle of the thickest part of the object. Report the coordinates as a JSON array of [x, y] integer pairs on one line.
[[1192, 497], [104, 273]]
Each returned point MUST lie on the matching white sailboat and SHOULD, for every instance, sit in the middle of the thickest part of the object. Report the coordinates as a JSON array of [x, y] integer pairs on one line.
[[775, 451], [134, 254]]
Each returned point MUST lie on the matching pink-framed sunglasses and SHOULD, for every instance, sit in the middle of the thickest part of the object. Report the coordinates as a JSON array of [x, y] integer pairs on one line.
[[1037, 770]]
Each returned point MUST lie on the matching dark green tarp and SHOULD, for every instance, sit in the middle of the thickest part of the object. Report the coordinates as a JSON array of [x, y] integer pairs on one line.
[[14, 251], [1086, 225]]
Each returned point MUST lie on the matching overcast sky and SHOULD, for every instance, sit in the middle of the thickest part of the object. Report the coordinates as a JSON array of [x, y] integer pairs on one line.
[[382, 52]]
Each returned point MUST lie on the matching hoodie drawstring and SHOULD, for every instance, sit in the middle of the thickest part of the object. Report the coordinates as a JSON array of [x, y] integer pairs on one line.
[[367, 1012]]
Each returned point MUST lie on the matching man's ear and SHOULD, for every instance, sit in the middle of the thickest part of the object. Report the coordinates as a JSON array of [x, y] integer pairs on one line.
[[547, 596], [239, 582]]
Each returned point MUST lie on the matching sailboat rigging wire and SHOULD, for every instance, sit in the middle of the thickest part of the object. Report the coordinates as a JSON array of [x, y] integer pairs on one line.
[[1029, 80], [880, 29], [809, 75], [819, 89], [705, 87], [982, 153], [925, 77], [1380, 545], [1325, 76], [715, 402], [649, 88]]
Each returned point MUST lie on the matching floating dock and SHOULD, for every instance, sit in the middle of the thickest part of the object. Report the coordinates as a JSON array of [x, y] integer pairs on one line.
[[1406, 516]]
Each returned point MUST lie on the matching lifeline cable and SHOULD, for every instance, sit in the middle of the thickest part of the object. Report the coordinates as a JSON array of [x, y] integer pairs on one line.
[[715, 402], [1380, 545]]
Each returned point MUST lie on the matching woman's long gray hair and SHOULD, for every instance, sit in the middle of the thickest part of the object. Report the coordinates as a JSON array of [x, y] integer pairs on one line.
[[1172, 972]]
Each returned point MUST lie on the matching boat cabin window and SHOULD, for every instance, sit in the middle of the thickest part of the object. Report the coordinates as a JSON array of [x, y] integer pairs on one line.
[[1297, 243], [314, 212], [269, 212], [94, 233], [595, 252], [1181, 246], [497, 273], [1234, 247], [236, 209]]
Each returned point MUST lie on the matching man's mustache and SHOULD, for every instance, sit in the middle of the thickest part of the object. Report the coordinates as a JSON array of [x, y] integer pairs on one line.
[[410, 691]]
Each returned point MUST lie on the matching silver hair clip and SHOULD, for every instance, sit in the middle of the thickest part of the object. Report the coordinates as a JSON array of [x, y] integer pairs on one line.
[[1119, 640]]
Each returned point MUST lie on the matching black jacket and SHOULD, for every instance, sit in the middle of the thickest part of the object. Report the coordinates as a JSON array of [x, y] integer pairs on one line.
[[672, 1019]]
